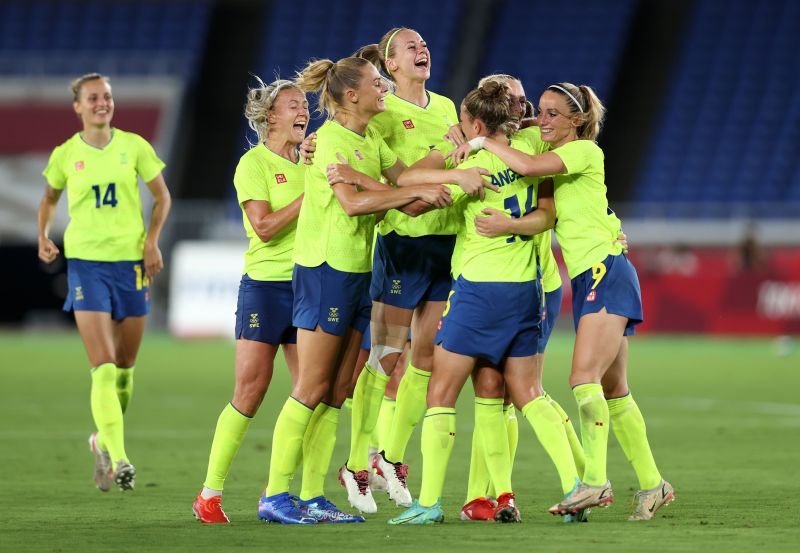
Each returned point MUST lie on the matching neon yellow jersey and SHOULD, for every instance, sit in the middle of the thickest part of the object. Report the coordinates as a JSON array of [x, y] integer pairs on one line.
[[265, 176], [411, 132], [105, 211], [325, 233], [551, 278], [502, 258], [533, 135], [585, 232]]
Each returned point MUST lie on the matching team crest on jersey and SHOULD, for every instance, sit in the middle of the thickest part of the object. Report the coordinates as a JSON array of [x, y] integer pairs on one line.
[[408, 123], [333, 315], [79, 166], [280, 178], [592, 295], [359, 155], [123, 158]]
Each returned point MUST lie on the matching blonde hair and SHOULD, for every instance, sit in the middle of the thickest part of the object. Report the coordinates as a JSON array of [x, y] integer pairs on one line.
[[377, 54], [260, 101], [76, 85], [329, 80], [504, 78], [491, 102], [582, 101]]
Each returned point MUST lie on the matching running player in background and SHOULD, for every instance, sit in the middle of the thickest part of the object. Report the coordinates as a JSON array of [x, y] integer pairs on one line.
[[111, 260], [331, 279], [269, 183], [605, 291]]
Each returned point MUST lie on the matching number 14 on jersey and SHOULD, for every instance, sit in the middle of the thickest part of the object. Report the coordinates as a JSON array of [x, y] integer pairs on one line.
[[109, 197]]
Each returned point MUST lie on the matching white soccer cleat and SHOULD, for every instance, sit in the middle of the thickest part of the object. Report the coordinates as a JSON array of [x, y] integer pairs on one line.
[[102, 465], [377, 483], [124, 475], [358, 493], [647, 502], [395, 475]]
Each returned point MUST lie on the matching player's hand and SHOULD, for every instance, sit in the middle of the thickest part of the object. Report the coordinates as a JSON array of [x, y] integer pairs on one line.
[[472, 182], [342, 172], [493, 223], [437, 195], [622, 240], [48, 251], [153, 262], [307, 148], [460, 154], [455, 136]]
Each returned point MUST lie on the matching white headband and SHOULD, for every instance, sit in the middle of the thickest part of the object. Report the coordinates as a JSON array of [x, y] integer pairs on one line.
[[565, 91]]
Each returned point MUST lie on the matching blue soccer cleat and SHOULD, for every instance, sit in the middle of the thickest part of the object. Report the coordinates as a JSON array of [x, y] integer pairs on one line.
[[419, 514], [280, 508], [322, 510]]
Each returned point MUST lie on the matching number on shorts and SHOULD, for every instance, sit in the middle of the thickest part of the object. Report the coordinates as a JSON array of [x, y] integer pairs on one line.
[[447, 305], [598, 272], [141, 279], [109, 198]]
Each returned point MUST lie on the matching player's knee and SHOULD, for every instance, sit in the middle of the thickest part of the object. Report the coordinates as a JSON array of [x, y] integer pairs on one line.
[[383, 358], [489, 384]]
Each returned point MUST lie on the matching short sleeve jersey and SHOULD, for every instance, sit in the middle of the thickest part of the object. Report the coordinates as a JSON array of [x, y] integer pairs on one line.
[[502, 258], [325, 233], [263, 175], [105, 211], [584, 229], [411, 132]]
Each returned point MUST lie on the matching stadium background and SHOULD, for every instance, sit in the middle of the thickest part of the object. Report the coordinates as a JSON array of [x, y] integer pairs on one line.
[[702, 165]]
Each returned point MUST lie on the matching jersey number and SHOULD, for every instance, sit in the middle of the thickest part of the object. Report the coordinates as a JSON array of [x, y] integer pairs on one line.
[[109, 198], [512, 204]]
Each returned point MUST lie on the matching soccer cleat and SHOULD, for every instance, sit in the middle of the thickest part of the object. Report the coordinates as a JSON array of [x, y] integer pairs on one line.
[[124, 475], [395, 475], [418, 514], [649, 501], [209, 511], [506, 510], [322, 510], [580, 516], [358, 493], [481, 508], [584, 496], [377, 483], [103, 477], [281, 508]]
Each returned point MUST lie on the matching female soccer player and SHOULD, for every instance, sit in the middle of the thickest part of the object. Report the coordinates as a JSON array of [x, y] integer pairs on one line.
[[110, 259], [492, 314], [269, 184], [331, 279], [605, 290]]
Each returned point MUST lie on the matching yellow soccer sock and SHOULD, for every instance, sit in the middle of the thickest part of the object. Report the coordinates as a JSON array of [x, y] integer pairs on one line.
[[438, 437], [231, 429], [409, 410], [594, 416], [318, 445], [574, 442], [384, 424], [629, 428], [106, 411], [287, 445], [479, 482], [494, 437], [546, 423], [512, 431], [124, 387], [367, 398]]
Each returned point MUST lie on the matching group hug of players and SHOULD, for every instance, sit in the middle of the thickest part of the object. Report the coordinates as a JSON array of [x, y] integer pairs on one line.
[[385, 288]]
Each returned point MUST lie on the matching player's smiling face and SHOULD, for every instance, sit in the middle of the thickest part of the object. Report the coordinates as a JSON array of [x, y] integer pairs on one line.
[[289, 115], [555, 122], [411, 57], [371, 91], [95, 104]]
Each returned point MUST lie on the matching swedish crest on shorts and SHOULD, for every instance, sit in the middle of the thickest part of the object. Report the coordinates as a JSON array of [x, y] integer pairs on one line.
[[333, 315], [254, 323], [397, 287]]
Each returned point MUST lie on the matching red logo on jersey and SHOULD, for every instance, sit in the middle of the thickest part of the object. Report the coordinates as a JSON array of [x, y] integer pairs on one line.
[[359, 155], [592, 296], [280, 178], [79, 166], [408, 124]]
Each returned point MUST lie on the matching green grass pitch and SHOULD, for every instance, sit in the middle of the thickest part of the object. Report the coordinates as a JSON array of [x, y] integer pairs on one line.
[[723, 418]]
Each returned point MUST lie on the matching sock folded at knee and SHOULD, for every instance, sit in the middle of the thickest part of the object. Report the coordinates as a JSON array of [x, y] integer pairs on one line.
[[367, 398], [629, 428], [228, 435], [287, 445], [594, 418], [318, 444], [479, 483], [438, 438], [124, 386], [384, 424], [106, 411], [547, 425], [409, 410], [574, 442]]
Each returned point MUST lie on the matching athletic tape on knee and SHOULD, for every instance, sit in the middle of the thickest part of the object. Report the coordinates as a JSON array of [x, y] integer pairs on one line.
[[378, 352], [390, 335]]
